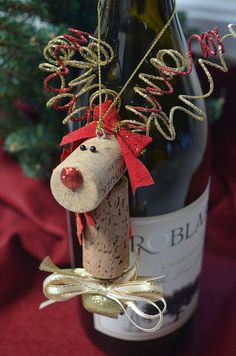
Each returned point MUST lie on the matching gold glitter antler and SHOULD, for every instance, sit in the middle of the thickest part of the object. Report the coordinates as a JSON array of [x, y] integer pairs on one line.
[[60, 53], [211, 44]]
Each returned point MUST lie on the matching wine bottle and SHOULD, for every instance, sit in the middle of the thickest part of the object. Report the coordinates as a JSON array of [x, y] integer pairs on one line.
[[168, 218]]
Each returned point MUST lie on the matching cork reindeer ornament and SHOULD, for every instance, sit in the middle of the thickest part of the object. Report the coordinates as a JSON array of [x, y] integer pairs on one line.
[[91, 183]]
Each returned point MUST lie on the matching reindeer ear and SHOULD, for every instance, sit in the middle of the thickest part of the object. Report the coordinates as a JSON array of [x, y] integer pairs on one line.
[[132, 144], [81, 134], [136, 142], [65, 153]]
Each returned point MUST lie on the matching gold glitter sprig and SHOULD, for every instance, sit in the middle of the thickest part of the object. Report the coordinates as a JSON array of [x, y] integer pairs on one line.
[[60, 53], [211, 44]]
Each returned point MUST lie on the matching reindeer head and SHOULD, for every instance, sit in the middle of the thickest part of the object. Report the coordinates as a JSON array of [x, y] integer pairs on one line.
[[87, 175]]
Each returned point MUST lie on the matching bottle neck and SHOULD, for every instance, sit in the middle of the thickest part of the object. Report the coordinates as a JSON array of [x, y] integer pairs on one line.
[[140, 19], [130, 26], [150, 12]]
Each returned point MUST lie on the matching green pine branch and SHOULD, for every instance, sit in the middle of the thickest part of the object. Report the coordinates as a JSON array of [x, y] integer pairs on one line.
[[32, 132]]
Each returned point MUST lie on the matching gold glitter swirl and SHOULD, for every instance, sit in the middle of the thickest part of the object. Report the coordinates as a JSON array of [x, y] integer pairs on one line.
[[183, 66], [60, 53]]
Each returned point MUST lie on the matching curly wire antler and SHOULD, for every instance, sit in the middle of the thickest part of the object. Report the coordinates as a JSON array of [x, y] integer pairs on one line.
[[59, 53], [211, 45]]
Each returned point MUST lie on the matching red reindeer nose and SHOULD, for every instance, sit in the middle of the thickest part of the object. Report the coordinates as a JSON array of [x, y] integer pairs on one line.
[[71, 177]]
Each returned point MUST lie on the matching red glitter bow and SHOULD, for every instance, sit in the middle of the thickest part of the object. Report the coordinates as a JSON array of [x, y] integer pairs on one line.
[[132, 144]]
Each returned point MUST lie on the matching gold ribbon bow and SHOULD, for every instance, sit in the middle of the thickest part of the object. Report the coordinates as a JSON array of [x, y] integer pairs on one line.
[[64, 284]]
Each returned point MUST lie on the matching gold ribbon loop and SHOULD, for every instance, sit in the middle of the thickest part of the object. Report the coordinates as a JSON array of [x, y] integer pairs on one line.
[[64, 284]]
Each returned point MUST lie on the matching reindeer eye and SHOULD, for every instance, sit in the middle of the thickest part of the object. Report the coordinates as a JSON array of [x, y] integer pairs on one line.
[[93, 149], [83, 148]]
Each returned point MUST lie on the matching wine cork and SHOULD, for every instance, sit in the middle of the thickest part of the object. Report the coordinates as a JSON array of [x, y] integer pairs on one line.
[[87, 175], [106, 245]]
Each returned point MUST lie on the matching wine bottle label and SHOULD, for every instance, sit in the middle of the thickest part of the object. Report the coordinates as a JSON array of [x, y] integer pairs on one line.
[[171, 245]]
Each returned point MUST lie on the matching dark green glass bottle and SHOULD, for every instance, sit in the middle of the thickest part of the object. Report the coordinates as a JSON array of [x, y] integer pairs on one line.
[[168, 218]]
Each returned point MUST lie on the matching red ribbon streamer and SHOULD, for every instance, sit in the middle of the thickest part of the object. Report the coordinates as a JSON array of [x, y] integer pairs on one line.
[[81, 221], [132, 144]]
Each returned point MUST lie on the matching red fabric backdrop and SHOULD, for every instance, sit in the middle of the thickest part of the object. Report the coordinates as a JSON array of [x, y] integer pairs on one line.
[[32, 226]]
